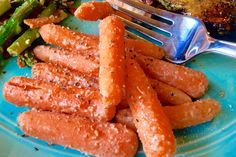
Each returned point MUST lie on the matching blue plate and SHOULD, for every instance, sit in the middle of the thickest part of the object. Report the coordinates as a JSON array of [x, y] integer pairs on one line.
[[215, 138]]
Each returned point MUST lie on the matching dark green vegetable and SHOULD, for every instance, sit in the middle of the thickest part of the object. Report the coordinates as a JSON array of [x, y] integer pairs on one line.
[[30, 35], [27, 59], [13, 26]]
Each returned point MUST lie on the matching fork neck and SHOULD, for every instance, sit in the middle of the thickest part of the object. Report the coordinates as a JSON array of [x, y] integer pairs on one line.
[[222, 47]]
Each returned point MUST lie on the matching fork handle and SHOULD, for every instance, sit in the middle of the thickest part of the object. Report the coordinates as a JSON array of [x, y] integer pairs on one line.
[[222, 47]]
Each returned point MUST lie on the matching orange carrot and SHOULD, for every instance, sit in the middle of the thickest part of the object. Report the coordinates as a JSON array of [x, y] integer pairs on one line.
[[68, 39], [169, 95], [51, 97], [98, 139], [144, 47], [153, 127], [63, 76], [39, 22], [190, 114], [70, 59], [180, 116], [112, 65], [93, 11], [192, 82]]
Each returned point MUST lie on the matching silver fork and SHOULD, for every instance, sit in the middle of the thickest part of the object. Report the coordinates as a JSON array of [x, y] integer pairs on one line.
[[186, 36]]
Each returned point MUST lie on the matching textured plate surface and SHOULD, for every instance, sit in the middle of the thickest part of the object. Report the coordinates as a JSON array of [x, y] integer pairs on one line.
[[215, 138]]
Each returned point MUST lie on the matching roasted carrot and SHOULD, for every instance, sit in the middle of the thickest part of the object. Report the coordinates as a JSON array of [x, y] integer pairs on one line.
[[68, 39], [66, 77], [75, 41], [70, 59], [144, 47], [51, 97], [169, 95], [181, 116], [40, 21], [63, 76], [192, 82], [98, 139], [190, 114], [112, 64], [153, 126], [93, 11]]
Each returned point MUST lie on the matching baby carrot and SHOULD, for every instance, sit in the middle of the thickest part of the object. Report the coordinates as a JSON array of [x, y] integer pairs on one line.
[[144, 47], [51, 97], [94, 138], [70, 59], [193, 113], [153, 127], [180, 116], [68, 39], [169, 95], [112, 65], [192, 82], [63, 76], [93, 11]]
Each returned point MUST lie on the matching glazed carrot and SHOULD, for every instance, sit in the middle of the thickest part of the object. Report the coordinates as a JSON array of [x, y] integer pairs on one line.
[[153, 127], [98, 139], [51, 97], [68, 39], [112, 65], [70, 59], [192, 82], [39, 22], [144, 47], [93, 11], [169, 95], [190, 114], [63, 76], [180, 116]]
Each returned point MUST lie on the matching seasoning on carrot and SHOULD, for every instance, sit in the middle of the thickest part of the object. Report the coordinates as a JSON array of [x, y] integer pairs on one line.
[[70, 59], [192, 82], [144, 47], [180, 116], [68, 39], [98, 139], [112, 65], [153, 126], [51, 97], [75, 41], [63, 76], [169, 95]]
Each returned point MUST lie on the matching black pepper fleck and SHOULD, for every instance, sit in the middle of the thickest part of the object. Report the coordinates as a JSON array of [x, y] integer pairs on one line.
[[36, 149]]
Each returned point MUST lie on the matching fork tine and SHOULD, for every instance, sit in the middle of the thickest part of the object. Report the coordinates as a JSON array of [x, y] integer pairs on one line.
[[151, 34], [154, 23], [133, 36], [158, 12]]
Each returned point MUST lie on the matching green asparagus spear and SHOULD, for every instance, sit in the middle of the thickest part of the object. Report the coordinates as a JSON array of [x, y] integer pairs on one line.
[[4, 6], [30, 35], [12, 26]]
